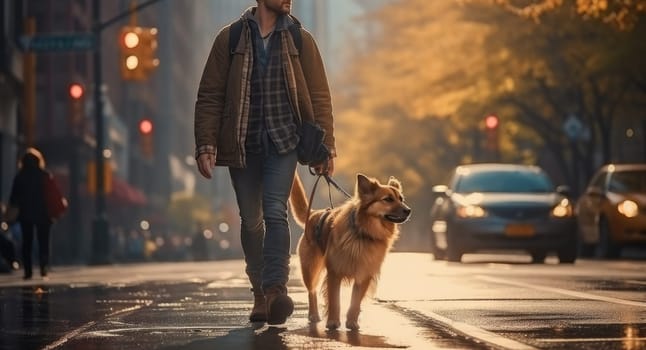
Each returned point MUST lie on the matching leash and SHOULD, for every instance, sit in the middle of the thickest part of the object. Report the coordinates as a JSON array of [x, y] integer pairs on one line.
[[319, 225], [330, 180], [309, 204]]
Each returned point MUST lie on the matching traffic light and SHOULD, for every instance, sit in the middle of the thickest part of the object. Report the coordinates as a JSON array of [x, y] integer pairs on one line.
[[138, 52], [77, 101], [146, 137], [492, 123]]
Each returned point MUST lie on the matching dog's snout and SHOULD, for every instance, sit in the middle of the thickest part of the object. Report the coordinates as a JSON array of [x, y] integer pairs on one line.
[[407, 211]]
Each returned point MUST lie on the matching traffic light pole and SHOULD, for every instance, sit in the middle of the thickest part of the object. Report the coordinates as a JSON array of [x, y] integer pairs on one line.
[[100, 224]]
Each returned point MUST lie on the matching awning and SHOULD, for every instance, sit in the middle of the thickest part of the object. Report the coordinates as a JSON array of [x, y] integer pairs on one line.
[[124, 193]]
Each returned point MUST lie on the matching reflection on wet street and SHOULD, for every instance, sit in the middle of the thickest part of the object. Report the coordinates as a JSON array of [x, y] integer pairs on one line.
[[487, 303], [33, 316], [178, 315]]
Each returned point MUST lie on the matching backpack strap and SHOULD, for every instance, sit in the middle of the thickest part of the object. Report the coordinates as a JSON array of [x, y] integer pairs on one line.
[[234, 35], [295, 30], [236, 30]]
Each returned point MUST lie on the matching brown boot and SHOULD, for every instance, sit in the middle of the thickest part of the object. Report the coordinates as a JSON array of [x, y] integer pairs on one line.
[[279, 305], [259, 311]]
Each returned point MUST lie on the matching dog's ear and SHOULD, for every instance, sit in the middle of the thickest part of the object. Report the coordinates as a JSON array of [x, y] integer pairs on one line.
[[395, 183], [365, 184]]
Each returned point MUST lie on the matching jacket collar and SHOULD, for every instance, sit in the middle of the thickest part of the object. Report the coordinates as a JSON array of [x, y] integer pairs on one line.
[[282, 22]]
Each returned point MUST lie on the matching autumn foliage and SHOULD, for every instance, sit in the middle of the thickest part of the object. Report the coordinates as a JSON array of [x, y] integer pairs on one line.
[[425, 74]]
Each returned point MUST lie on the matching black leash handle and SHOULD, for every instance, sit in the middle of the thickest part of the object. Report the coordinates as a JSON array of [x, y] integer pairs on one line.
[[329, 180]]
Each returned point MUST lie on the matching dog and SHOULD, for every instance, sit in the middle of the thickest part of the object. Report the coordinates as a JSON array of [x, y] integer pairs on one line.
[[350, 242]]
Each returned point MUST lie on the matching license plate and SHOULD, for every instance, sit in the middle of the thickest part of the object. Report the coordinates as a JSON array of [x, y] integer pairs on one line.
[[519, 230]]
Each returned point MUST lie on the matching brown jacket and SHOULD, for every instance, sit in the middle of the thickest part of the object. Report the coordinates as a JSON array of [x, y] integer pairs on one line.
[[221, 109]]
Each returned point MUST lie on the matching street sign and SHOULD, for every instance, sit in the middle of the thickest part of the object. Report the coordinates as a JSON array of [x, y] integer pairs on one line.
[[573, 127], [59, 42]]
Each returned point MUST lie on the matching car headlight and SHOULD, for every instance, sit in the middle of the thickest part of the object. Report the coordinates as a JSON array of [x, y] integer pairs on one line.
[[471, 211], [563, 209], [628, 208]]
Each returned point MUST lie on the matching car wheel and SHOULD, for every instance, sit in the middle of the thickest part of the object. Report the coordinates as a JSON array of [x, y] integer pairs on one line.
[[438, 254], [606, 248], [586, 250], [538, 257], [568, 253], [454, 250], [454, 253]]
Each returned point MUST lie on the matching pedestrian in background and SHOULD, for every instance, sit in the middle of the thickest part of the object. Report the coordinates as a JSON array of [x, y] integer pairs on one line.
[[250, 103], [28, 197], [8, 259]]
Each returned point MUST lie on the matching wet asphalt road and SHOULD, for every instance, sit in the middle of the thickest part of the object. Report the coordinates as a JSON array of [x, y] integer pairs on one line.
[[183, 306], [485, 303]]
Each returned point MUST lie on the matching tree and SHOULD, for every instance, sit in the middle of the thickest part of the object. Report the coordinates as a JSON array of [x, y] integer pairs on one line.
[[424, 80], [420, 86], [573, 67], [621, 14]]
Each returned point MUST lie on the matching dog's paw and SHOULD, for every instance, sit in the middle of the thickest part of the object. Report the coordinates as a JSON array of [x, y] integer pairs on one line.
[[333, 324], [352, 325], [314, 318]]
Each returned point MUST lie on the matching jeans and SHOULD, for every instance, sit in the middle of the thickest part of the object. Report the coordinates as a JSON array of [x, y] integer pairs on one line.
[[262, 190], [42, 231]]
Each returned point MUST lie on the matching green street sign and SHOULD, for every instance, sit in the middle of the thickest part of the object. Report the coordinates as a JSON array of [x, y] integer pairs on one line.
[[58, 42]]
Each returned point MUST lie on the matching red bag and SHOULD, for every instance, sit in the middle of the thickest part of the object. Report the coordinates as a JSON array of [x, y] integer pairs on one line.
[[56, 202]]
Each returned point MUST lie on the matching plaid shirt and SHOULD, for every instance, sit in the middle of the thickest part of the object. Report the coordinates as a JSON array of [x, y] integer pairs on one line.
[[271, 116]]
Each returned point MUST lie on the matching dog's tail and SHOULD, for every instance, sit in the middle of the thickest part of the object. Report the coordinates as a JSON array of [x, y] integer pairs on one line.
[[298, 201]]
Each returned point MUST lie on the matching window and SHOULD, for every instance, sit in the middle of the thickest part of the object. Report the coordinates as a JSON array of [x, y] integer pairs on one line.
[[599, 181], [628, 181], [505, 182]]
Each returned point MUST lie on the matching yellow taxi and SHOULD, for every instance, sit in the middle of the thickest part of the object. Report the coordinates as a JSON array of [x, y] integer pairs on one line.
[[611, 213]]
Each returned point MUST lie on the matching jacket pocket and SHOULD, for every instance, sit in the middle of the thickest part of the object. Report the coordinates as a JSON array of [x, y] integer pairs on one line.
[[227, 132]]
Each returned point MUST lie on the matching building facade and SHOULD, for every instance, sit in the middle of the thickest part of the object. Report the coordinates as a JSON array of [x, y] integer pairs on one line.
[[143, 182]]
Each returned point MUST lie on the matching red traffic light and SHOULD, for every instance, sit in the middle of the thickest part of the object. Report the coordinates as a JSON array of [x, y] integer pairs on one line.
[[145, 126], [76, 91], [491, 122]]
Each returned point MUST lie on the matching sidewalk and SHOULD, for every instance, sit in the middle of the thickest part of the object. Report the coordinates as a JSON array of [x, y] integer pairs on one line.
[[182, 306]]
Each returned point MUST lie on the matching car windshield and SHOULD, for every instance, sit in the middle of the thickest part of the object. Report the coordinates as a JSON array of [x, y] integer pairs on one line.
[[504, 182], [628, 181]]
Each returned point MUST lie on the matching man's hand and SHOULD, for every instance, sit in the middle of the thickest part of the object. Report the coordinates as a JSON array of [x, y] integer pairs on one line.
[[325, 168], [205, 163]]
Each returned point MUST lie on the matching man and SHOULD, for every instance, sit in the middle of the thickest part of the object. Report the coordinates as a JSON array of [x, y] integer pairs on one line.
[[249, 104]]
